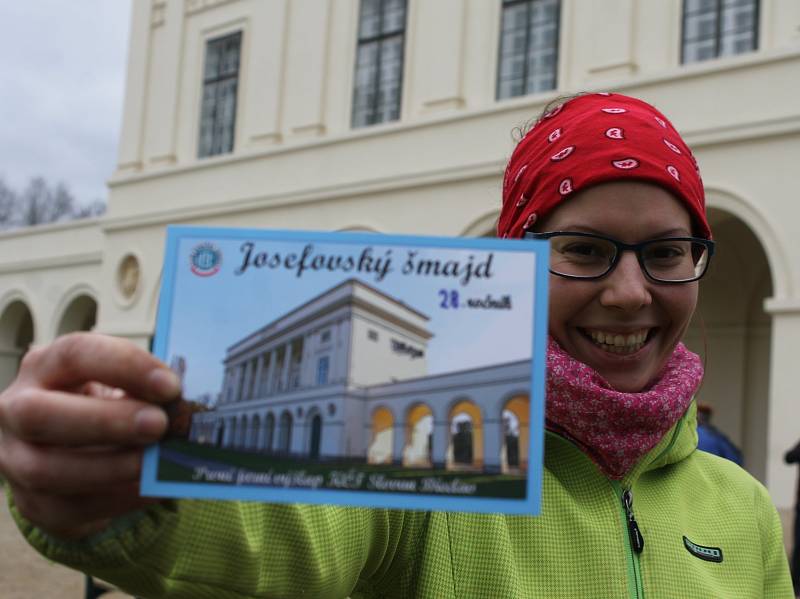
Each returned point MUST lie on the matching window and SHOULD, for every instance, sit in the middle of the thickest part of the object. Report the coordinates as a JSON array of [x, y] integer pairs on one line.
[[528, 47], [379, 62], [220, 83], [326, 336], [323, 365], [714, 28], [372, 335]]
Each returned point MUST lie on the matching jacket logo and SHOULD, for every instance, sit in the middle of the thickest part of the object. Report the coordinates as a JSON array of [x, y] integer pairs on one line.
[[709, 554]]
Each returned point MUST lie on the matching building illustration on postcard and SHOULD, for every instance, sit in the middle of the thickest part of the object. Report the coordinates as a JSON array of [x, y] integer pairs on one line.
[[344, 376]]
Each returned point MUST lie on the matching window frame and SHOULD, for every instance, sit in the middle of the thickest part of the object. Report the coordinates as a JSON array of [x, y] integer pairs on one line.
[[326, 360], [720, 4], [378, 39], [556, 47], [238, 33]]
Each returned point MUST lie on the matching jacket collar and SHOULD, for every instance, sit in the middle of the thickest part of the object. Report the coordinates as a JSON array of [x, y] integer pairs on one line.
[[564, 459]]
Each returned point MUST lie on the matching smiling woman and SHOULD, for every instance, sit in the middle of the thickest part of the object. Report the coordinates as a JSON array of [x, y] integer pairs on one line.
[[630, 507]]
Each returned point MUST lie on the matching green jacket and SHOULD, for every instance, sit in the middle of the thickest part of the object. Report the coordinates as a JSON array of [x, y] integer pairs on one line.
[[579, 547]]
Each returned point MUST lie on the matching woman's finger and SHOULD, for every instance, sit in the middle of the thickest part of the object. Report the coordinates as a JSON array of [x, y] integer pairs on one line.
[[59, 418], [74, 359], [63, 471], [76, 516]]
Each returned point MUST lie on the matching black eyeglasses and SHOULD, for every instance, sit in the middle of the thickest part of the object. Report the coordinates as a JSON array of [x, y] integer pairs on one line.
[[576, 255]]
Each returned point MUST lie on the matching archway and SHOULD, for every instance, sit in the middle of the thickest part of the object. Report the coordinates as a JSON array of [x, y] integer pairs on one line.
[[465, 450], [269, 431], [231, 441], [241, 442], [80, 315], [515, 434], [255, 430], [285, 433], [418, 450], [315, 436], [380, 449], [16, 336], [732, 333]]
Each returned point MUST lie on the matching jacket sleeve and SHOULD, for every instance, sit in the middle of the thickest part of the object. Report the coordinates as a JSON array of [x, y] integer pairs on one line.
[[777, 580], [219, 550]]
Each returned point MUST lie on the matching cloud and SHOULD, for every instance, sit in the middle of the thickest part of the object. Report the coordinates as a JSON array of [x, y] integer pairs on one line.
[[62, 71]]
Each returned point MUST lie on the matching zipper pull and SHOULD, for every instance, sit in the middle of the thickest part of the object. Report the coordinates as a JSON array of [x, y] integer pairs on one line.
[[637, 540]]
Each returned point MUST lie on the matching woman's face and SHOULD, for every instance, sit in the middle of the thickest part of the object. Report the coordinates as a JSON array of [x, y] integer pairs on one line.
[[624, 302]]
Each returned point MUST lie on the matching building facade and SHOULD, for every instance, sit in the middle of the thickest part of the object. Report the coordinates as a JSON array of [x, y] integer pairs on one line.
[[397, 116], [345, 376]]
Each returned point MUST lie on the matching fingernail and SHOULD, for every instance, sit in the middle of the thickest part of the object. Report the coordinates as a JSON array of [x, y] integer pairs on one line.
[[165, 382], [150, 422]]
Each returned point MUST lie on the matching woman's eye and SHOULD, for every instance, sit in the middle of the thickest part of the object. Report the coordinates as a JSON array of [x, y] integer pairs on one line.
[[665, 252], [584, 250]]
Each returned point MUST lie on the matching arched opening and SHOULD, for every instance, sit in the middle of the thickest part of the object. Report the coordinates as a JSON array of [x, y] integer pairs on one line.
[[381, 446], [418, 450], [466, 437], [80, 315], [269, 431], [514, 420], [231, 441], [285, 433], [16, 336], [241, 442], [255, 429], [732, 333], [315, 440]]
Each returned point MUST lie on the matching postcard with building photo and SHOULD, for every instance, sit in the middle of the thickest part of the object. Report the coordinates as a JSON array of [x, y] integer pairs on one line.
[[353, 369]]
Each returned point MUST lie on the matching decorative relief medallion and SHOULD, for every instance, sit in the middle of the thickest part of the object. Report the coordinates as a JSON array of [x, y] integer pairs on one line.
[[128, 275]]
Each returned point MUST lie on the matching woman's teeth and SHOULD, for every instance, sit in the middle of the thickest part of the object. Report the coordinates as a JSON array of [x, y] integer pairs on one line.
[[617, 343]]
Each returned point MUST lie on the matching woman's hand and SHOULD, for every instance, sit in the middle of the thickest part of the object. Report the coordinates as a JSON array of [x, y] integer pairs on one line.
[[72, 428]]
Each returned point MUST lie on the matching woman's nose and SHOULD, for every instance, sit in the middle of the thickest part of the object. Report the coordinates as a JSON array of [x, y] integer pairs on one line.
[[626, 287]]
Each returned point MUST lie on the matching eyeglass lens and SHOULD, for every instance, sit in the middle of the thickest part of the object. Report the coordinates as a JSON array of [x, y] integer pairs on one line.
[[663, 260]]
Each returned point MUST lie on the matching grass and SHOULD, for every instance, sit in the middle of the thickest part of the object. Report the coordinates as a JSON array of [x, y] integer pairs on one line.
[[501, 486]]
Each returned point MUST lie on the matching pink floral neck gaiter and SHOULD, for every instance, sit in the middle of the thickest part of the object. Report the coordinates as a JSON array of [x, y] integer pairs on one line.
[[613, 428]]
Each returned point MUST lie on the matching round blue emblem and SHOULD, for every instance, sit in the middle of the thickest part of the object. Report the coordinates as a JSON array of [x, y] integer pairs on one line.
[[205, 259]]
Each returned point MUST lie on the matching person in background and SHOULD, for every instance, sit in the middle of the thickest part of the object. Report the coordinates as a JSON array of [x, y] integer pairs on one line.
[[793, 457], [713, 440]]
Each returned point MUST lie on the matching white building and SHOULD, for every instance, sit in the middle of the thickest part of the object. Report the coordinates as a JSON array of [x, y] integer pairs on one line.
[[319, 114], [345, 375]]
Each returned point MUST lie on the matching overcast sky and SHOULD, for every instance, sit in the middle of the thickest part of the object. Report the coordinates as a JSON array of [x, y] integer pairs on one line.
[[62, 76]]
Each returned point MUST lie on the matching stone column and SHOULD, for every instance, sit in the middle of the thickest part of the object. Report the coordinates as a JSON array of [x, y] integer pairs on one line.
[[492, 443], [398, 441], [782, 430], [287, 364], [441, 440], [273, 358], [259, 374]]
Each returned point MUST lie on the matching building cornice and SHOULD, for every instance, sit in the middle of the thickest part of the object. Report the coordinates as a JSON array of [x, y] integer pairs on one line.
[[53, 262], [378, 185], [33, 230], [528, 103], [698, 138]]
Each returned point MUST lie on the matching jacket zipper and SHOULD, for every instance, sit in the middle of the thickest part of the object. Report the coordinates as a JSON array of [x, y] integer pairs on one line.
[[635, 543]]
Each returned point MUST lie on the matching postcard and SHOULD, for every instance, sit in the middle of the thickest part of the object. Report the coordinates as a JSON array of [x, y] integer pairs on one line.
[[353, 369]]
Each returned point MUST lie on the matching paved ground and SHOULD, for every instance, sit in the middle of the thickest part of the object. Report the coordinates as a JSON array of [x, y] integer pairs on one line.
[[24, 574]]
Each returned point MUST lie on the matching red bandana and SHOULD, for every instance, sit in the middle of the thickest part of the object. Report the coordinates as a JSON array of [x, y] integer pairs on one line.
[[592, 139]]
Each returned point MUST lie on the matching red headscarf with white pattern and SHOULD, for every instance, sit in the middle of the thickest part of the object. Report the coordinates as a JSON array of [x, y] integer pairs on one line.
[[592, 139]]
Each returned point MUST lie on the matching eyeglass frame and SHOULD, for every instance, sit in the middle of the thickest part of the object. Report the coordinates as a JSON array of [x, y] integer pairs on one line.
[[621, 247]]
